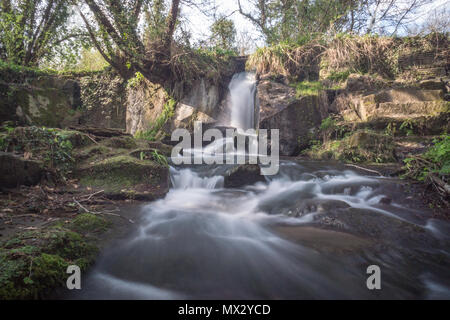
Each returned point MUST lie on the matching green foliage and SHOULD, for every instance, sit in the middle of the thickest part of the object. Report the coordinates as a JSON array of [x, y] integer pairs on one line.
[[91, 60], [339, 76], [440, 154], [136, 80], [308, 88], [154, 132], [160, 158], [435, 160], [154, 19], [327, 123], [391, 129], [52, 146], [292, 21], [34, 31], [292, 60], [407, 127]]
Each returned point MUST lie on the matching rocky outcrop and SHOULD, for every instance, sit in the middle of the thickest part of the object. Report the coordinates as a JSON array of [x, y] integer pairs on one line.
[[296, 118], [366, 99]]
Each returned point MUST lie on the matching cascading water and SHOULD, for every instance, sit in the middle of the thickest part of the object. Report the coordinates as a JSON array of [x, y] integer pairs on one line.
[[309, 232], [242, 100]]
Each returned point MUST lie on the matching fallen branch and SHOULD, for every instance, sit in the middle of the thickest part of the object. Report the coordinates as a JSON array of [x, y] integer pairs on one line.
[[80, 205], [439, 184], [365, 169], [91, 195]]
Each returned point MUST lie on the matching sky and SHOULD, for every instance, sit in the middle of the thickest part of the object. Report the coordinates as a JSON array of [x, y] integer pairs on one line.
[[199, 23]]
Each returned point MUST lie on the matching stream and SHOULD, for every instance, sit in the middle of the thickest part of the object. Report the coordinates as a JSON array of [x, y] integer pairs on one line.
[[309, 232]]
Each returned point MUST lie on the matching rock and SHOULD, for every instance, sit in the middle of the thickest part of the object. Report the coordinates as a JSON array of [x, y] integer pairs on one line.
[[101, 132], [244, 174], [358, 82], [395, 104], [104, 100], [297, 119], [361, 146], [433, 84], [185, 116], [124, 142], [368, 146], [145, 102], [126, 177], [44, 101], [385, 200], [204, 95], [16, 171]]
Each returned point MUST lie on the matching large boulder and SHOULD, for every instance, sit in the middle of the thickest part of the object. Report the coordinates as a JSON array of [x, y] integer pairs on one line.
[[296, 118], [125, 177], [16, 170], [242, 175]]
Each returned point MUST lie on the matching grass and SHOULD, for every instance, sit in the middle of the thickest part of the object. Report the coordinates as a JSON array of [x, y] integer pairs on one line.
[[307, 88]]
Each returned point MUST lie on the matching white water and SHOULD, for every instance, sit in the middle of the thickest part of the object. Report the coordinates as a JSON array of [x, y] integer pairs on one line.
[[206, 242], [242, 100]]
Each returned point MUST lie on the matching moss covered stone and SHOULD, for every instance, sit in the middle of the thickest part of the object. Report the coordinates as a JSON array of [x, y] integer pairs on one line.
[[34, 263], [88, 222], [125, 176], [361, 146]]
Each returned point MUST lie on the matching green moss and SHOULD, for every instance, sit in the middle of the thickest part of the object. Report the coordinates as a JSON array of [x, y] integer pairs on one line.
[[34, 263], [49, 269], [88, 222], [117, 173]]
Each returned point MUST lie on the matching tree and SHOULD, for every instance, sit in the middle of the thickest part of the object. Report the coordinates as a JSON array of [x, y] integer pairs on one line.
[[384, 16], [113, 28], [293, 20], [223, 33], [260, 15], [31, 30]]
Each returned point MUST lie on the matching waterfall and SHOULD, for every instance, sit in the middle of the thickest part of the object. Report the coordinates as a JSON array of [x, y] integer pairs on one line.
[[242, 100], [186, 179]]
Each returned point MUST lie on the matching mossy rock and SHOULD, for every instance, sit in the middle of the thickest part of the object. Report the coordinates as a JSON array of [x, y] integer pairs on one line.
[[366, 146], [89, 223], [16, 170], [124, 142], [34, 263], [125, 177], [361, 146]]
